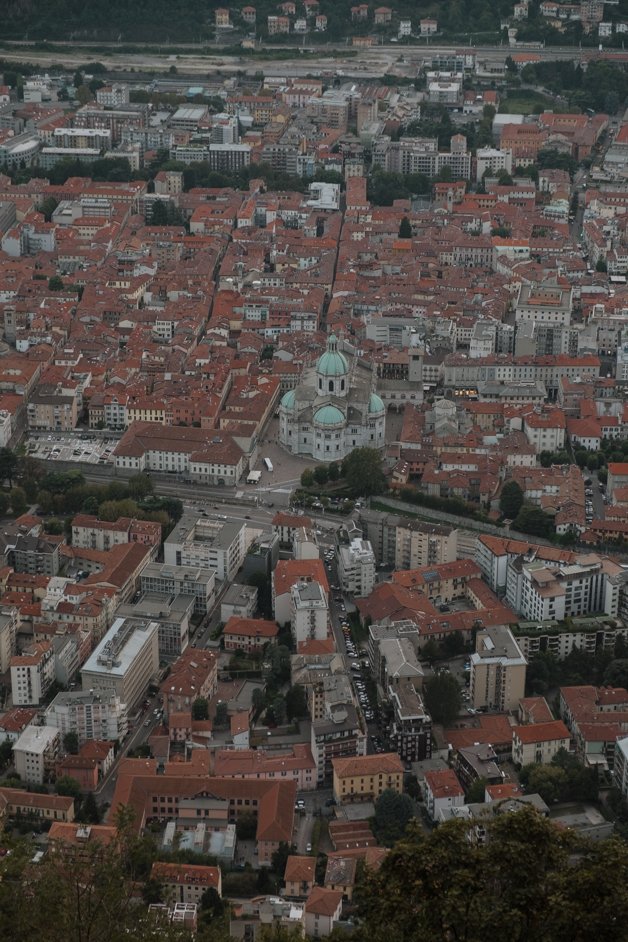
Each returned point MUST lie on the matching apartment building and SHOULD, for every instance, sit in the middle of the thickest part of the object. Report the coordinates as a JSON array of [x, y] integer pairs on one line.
[[89, 532], [125, 661], [498, 670], [194, 674], [21, 803], [32, 674], [337, 734], [309, 612], [294, 763], [356, 568], [411, 731], [9, 621], [587, 586], [36, 555], [186, 883], [192, 581], [172, 613], [35, 754], [92, 716], [248, 634], [539, 742], [442, 791], [364, 778], [407, 544], [206, 544]]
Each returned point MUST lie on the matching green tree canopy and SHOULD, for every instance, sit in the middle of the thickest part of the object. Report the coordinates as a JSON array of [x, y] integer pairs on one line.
[[405, 228], [393, 812], [443, 698], [71, 742], [443, 886], [296, 702], [511, 499], [363, 473], [200, 709]]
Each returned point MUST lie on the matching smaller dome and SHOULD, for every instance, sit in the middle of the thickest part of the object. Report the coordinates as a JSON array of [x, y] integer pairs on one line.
[[376, 404], [328, 415], [287, 401]]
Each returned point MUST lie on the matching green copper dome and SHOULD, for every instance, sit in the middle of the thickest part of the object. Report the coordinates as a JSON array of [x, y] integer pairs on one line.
[[329, 415], [376, 404], [287, 401], [332, 363]]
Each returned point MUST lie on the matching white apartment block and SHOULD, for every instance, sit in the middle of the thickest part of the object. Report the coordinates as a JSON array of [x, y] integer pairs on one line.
[[125, 661], [90, 715], [35, 752], [620, 766], [32, 674], [207, 544], [356, 568], [589, 586], [491, 160], [309, 612]]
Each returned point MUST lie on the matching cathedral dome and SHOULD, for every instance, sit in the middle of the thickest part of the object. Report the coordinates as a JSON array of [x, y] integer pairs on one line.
[[329, 415], [332, 363], [287, 401], [376, 404]]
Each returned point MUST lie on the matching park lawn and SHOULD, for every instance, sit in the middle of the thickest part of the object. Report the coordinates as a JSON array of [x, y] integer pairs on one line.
[[525, 103]]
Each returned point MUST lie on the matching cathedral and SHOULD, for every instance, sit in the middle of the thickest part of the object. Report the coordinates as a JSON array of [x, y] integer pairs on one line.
[[334, 410]]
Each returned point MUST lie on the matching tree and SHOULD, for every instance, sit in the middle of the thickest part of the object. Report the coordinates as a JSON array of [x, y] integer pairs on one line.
[[443, 698], [511, 499], [321, 474], [48, 206], [280, 857], [296, 702], [601, 265], [71, 743], [212, 903], [363, 473], [222, 714], [246, 826], [18, 501], [333, 471], [55, 283], [90, 812], [476, 790], [68, 786], [84, 94], [257, 701], [6, 753], [307, 477], [393, 812], [200, 709], [8, 466], [140, 486], [616, 674], [531, 519], [405, 228]]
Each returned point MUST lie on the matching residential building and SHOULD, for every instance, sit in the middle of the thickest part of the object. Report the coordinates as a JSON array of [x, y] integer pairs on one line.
[[20, 803], [36, 554], [309, 612], [90, 715], [172, 613], [14, 722], [294, 763], [356, 568], [442, 790], [125, 661], [35, 754], [539, 742], [248, 634], [89, 532], [338, 733], [290, 572], [364, 778], [207, 544], [411, 731], [407, 544], [498, 670], [194, 674], [186, 883], [322, 912], [239, 601], [193, 581], [32, 674], [9, 620], [299, 876]]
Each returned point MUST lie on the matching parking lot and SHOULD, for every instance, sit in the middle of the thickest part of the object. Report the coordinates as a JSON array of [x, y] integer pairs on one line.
[[68, 448]]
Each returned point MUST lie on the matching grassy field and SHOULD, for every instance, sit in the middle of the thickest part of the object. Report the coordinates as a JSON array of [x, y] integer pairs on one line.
[[525, 102]]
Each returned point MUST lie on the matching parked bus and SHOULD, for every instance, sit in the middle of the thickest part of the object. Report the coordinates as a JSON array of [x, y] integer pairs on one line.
[[269, 464]]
